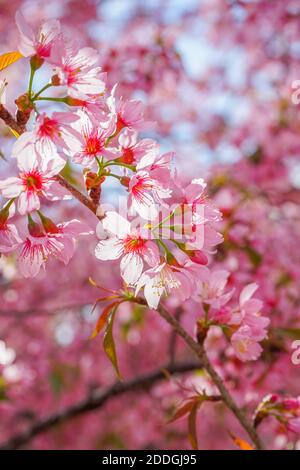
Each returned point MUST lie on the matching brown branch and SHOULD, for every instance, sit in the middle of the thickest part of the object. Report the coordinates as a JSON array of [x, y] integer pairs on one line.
[[86, 201], [197, 348], [10, 120], [18, 125], [201, 353], [95, 400]]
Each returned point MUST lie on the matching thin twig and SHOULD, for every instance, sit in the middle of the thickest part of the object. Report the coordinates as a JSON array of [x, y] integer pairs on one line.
[[10, 120], [97, 399], [201, 353], [77, 194], [20, 129], [197, 348]]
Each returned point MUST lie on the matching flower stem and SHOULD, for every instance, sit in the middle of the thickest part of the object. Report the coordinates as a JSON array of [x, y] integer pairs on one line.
[[41, 91], [32, 72], [227, 398], [50, 98], [125, 165]]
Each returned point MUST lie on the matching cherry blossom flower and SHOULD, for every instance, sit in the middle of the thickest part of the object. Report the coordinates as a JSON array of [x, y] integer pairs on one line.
[[129, 113], [131, 245], [149, 186], [77, 69], [212, 289], [245, 342], [252, 325], [164, 279], [40, 43], [146, 195], [50, 240], [48, 134], [90, 141], [199, 215], [35, 180], [132, 149]]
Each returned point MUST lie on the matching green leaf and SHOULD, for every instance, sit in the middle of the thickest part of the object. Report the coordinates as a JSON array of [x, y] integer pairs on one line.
[[109, 344], [192, 434]]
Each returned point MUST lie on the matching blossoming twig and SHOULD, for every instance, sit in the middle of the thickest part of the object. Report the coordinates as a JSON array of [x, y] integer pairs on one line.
[[200, 351]]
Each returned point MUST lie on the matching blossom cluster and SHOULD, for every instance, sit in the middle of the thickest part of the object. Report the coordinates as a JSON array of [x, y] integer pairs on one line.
[[169, 231], [286, 410], [244, 323]]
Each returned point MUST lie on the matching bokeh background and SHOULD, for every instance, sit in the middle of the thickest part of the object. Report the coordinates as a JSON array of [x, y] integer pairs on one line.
[[216, 76]]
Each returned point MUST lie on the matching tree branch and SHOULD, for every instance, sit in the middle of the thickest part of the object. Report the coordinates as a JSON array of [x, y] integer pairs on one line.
[[86, 201], [201, 353], [97, 399], [10, 120], [120, 388]]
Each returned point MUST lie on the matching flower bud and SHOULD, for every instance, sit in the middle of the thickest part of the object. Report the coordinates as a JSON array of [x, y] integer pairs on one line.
[[125, 180], [4, 214], [36, 62], [55, 80], [34, 228], [48, 224]]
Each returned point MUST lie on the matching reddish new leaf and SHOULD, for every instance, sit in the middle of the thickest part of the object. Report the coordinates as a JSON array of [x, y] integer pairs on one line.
[[182, 411], [103, 318]]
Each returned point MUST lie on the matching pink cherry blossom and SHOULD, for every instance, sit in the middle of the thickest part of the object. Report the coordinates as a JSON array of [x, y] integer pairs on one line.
[[89, 141], [166, 279], [78, 69], [35, 180], [52, 240], [149, 186], [212, 289], [245, 342], [129, 113], [49, 133], [39, 43], [131, 245], [132, 149]]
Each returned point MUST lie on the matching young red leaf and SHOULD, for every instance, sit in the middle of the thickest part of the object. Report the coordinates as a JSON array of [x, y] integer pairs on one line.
[[103, 318], [182, 410]]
